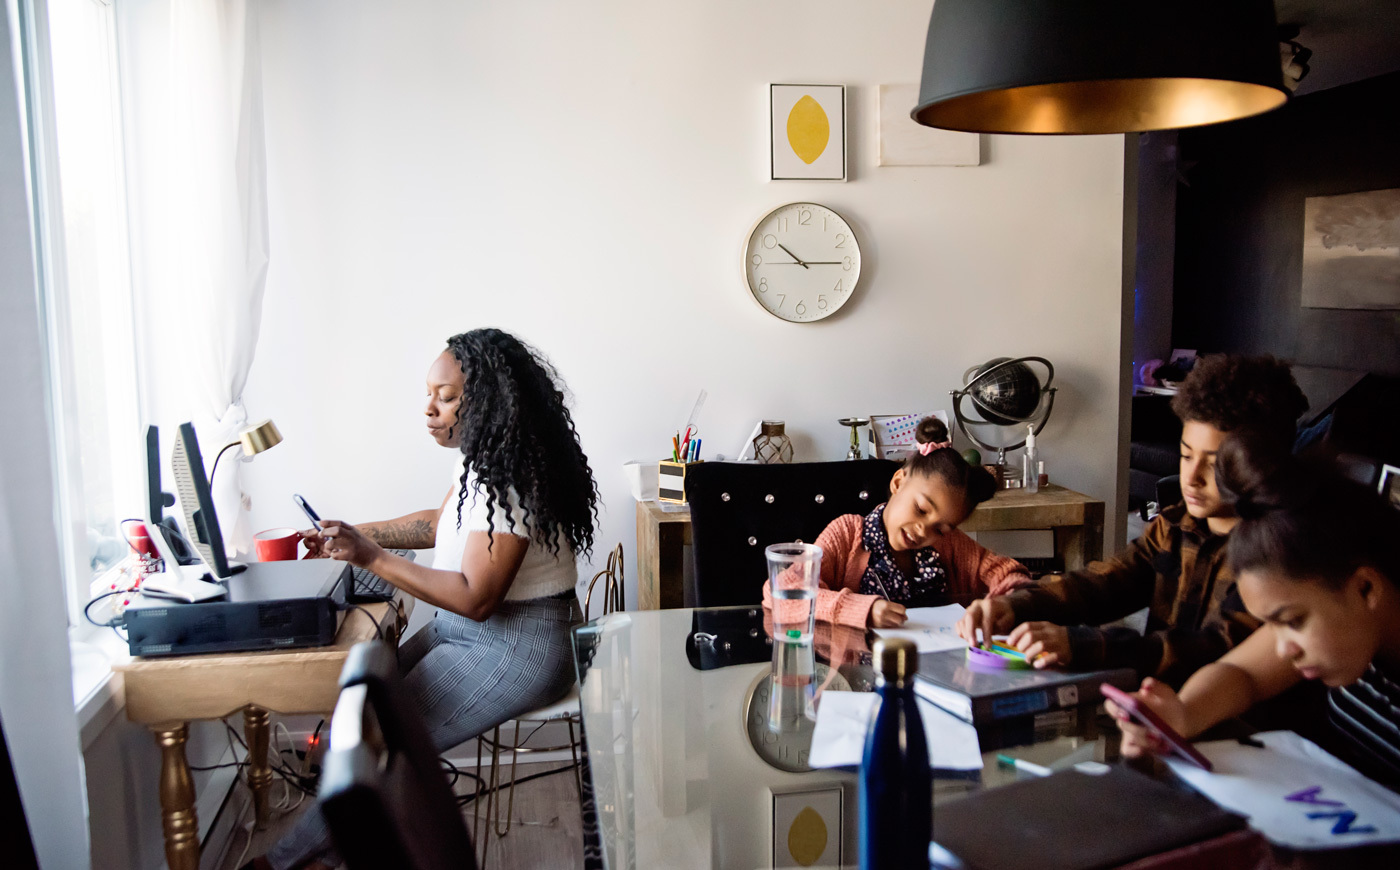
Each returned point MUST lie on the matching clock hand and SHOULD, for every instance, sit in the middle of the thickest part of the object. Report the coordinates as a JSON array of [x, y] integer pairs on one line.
[[794, 256]]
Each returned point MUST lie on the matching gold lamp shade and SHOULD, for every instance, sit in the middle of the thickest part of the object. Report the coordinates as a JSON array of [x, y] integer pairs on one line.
[[1097, 66], [259, 437]]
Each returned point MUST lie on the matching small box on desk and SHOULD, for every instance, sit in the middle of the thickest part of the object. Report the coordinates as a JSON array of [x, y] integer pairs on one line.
[[671, 480]]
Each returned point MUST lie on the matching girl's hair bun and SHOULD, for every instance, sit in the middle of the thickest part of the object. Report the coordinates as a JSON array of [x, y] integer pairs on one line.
[[931, 430], [1251, 472]]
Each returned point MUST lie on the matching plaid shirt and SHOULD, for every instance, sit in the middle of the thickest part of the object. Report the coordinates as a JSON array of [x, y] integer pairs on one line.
[[1177, 570]]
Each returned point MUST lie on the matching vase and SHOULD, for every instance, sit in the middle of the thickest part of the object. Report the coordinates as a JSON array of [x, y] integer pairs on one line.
[[772, 445]]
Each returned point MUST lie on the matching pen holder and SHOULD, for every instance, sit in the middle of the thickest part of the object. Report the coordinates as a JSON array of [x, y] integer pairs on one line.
[[671, 480]]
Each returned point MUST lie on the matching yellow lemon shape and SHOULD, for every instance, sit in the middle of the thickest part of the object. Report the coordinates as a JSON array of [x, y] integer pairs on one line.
[[808, 129], [807, 836]]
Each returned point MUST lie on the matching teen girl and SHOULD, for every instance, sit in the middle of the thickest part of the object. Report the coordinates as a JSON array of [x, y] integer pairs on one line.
[[908, 552]]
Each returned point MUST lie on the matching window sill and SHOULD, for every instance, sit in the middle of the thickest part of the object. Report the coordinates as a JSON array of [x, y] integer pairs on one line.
[[98, 696]]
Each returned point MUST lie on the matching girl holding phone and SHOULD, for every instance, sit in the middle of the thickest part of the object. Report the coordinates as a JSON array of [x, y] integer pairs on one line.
[[1317, 557], [521, 508]]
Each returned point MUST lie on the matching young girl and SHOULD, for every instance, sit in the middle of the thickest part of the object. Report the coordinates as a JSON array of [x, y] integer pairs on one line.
[[1317, 560], [908, 552], [521, 508]]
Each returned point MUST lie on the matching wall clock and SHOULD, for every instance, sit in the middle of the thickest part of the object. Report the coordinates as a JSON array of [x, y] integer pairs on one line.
[[802, 262]]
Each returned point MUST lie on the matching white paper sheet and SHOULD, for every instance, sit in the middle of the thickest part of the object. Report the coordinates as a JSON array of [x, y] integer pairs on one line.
[[1295, 794], [844, 717], [932, 629]]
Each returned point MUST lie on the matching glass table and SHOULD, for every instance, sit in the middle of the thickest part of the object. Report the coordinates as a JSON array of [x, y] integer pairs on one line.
[[683, 770]]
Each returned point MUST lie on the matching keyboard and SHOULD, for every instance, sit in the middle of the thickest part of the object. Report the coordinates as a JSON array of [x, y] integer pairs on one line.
[[368, 587]]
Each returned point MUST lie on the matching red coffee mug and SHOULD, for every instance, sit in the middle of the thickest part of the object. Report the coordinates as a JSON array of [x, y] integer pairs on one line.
[[139, 539], [277, 545]]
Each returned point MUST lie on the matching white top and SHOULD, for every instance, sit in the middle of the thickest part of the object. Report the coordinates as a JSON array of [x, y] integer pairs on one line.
[[541, 574]]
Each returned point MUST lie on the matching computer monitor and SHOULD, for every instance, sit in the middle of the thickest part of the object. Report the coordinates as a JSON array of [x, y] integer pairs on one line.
[[157, 500], [196, 503]]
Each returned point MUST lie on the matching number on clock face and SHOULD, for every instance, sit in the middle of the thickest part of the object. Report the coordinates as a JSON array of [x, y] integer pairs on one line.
[[802, 262]]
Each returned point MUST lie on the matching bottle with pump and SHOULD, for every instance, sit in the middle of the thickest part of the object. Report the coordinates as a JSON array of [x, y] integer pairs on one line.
[[1030, 479], [896, 785]]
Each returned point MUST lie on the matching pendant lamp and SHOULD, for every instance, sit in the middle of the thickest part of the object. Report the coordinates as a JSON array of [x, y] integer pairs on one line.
[[1097, 66]]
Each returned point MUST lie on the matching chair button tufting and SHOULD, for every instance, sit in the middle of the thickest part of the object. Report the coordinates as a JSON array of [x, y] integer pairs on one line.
[[864, 495], [821, 499], [724, 496], [768, 498], [753, 542]]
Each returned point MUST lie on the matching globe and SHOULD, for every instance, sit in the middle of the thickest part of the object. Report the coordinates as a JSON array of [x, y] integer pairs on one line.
[[1007, 395], [1004, 394]]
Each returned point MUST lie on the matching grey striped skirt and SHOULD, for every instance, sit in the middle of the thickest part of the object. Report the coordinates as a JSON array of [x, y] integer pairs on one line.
[[465, 678]]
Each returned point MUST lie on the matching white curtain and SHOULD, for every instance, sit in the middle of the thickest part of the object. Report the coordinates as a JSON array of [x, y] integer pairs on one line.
[[204, 186], [36, 696]]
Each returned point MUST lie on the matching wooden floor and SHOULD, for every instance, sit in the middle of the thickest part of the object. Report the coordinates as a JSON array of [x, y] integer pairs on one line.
[[545, 831]]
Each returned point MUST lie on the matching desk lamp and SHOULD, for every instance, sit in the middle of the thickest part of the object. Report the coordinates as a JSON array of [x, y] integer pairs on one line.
[[254, 440]]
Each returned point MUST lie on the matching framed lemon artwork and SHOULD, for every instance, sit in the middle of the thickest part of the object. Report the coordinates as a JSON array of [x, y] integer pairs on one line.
[[808, 132]]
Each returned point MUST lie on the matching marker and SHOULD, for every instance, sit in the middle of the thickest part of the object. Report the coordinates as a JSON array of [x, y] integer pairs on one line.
[[1008, 652], [1023, 765]]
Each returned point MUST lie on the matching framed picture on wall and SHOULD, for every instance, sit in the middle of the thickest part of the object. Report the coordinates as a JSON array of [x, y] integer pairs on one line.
[[807, 132], [808, 827], [1390, 485]]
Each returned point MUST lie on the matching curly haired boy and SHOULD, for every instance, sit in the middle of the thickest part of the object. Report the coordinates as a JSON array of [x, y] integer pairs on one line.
[[1177, 567]]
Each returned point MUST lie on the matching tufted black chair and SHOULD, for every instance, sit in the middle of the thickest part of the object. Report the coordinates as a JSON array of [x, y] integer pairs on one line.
[[737, 509]]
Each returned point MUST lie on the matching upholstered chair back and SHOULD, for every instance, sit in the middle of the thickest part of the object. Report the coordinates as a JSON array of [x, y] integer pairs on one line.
[[737, 509]]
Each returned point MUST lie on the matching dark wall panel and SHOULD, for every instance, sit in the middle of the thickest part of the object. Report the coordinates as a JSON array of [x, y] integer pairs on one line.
[[1239, 235]]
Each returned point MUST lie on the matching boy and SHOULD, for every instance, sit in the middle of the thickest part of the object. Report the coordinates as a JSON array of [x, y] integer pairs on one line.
[[1177, 568]]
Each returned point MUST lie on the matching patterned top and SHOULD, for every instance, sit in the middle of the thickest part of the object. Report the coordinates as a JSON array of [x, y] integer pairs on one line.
[[972, 570], [1366, 717], [882, 577], [1177, 570]]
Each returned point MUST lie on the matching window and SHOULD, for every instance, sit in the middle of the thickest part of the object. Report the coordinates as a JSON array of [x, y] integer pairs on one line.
[[74, 113]]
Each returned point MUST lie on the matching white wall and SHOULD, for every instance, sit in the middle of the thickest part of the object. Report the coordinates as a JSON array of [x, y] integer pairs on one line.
[[36, 697], [583, 174]]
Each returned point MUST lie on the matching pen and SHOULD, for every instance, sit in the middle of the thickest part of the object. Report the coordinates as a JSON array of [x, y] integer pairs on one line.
[[1023, 765], [675, 449]]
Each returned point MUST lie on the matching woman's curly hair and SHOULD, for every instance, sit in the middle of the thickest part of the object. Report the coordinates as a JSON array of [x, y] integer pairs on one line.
[[1233, 391], [516, 432]]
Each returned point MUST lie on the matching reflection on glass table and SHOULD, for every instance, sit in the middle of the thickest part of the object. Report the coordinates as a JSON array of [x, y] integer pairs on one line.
[[686, 772]]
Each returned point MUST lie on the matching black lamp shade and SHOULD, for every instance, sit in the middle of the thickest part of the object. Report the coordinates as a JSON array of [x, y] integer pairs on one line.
[[1097, 66]]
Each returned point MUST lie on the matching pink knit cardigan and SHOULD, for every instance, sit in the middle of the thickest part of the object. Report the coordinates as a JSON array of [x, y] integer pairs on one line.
[[972, 569]]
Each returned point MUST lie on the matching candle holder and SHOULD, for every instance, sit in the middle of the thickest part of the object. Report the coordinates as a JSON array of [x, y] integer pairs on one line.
[[855, 423]]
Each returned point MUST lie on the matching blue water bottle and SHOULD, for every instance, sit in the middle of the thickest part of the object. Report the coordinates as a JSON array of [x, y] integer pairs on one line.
[[896, 786]]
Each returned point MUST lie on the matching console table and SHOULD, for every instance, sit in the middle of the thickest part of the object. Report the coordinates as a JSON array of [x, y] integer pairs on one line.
[[164, 694], [663, 532]]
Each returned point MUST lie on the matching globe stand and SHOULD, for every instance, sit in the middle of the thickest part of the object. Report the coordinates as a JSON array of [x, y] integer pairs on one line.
[[1003, 398], [855, 423]]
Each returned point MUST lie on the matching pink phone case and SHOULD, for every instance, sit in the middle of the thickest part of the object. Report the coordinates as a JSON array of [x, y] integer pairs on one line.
[[1146, 717]]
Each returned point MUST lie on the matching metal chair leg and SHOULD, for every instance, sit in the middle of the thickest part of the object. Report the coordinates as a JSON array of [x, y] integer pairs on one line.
[[573, 753], [510, 806]]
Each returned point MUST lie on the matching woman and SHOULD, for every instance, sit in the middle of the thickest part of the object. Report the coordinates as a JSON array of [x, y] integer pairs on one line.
[[521, 508], [1317, 559]]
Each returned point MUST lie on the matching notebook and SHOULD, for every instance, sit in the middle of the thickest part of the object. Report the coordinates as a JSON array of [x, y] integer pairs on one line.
[[979, 696], [1074, 821]]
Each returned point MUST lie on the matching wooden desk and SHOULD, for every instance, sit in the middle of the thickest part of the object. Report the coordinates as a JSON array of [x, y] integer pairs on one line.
[[1076, 519], [164, 694], [662, 536]]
